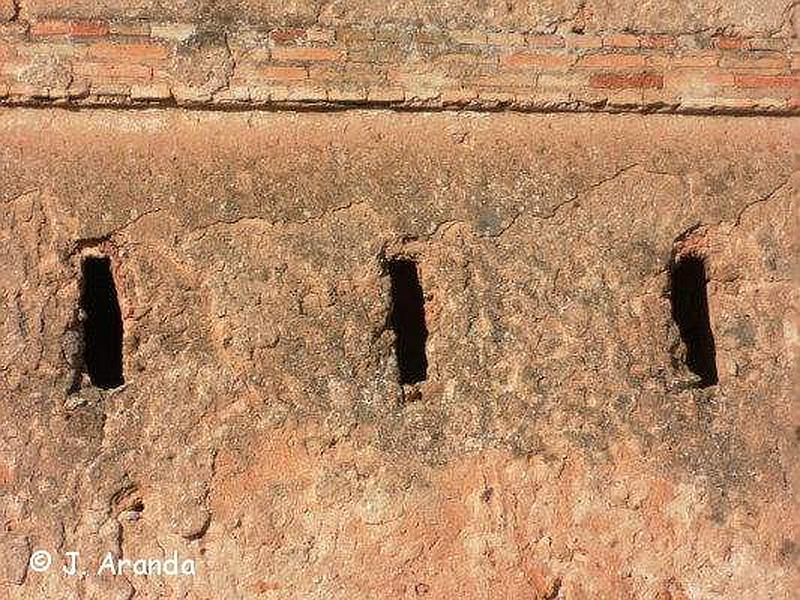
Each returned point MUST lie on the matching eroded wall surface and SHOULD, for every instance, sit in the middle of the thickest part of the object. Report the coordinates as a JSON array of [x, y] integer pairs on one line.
[[559, 447]]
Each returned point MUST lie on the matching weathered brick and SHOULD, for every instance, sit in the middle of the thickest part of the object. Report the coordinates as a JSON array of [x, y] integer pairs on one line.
[[113, 71], [173, 31], [498, 96], [346, 94], [754, 60], [386, 94], [128, 52], [621, 40], [697, 59], [583, 41], [505, 39], [349, 74], [271, 73], [658, 41], [130, 28], [287, 36], [459, 96], [348, 35], [16, 30], [71, 28], [544, 41], [504, 80], [376, 53], [768, 81], [154, 91], [321, 36], [621, 81], [233, 93], [300, 54], [697, 83], [431, 36], [612, 61], [303, 93], [730, 43], [536, 59], [775, 44], [468, 36]]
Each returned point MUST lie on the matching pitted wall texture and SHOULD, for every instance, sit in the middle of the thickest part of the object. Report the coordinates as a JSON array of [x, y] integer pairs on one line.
[[558, 448]]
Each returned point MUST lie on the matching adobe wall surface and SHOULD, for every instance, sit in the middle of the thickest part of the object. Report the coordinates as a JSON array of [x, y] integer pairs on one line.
[[558, 448]]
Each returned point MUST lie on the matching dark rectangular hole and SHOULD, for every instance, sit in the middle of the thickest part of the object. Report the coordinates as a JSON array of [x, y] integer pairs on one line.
[[690, 311], [408, 321], [102, 327]]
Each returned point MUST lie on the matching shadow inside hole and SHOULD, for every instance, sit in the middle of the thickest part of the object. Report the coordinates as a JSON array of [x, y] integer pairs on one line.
[[102, 327], [689, 299], [408, 321]]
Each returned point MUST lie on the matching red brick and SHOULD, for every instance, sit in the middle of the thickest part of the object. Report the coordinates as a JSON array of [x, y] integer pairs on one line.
[[72, 28], [767, 81], [136, 52], [541, 60], [730, 43], [307, 54], [622, 81], [612, 61]]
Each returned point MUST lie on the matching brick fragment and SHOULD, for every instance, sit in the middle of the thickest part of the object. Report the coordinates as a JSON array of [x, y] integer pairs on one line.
[[754, 60], [544, 41], [468, 36], [658, 41], [130, 28], [775, 44], [155, 91], [622, 81], [505, 39], [386, 94], [612, 61], [173, 31], [70, 28], [730, 43], [621, 40], [287, 36], [272, 73], [290, 53], [128, 52], [534, 59], [321, 36], [768, 81], [349, 35], [583, 41], [697, 59], [113, 71]]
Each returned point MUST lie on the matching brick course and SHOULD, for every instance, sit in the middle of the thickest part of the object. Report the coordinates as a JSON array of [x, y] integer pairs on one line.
[[132, 62]]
